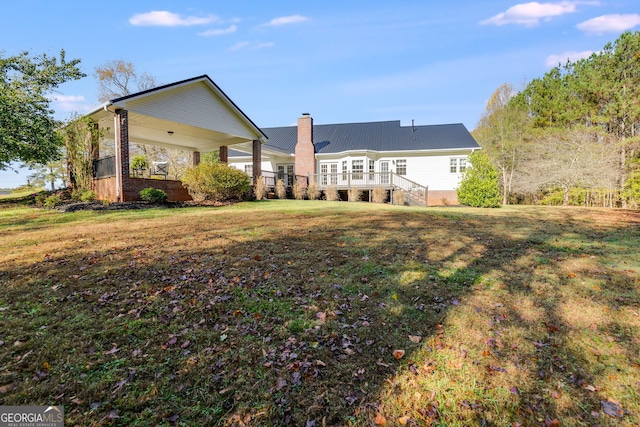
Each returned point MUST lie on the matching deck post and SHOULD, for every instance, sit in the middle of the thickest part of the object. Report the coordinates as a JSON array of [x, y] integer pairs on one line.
[[257, 160], [122, 153], [224, 154]]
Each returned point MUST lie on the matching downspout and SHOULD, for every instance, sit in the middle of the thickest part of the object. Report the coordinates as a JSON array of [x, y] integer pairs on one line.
[[116, 134]]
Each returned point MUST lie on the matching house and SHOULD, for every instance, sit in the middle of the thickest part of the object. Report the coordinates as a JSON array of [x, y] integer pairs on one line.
[[193, 115], [426, 162]]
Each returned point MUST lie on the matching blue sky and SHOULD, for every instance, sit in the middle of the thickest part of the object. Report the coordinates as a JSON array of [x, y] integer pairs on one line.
[[340, 61]]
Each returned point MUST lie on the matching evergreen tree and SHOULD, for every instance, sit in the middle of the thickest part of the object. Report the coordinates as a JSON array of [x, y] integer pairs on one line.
[[479, 186]]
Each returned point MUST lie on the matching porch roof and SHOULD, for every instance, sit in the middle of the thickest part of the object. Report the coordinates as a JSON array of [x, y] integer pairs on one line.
[[193, 114]]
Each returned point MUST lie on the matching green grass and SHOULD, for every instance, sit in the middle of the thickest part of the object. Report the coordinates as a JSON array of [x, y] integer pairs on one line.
[[284, 312]]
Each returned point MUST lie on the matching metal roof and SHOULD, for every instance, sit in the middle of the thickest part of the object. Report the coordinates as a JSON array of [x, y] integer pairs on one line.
[[374, 136]]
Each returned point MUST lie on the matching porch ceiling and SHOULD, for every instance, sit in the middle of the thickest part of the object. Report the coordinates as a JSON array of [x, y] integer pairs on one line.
[[154, 131]]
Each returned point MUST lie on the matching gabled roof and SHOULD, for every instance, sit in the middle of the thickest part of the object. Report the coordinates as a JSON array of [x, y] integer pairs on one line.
[[373, 136], [192, 114]]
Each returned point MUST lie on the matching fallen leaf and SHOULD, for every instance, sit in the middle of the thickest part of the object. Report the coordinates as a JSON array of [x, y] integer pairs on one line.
[[398, 354], [114, 350], [95, 405], [415, 338], [380, 420], [172, 418], [185, 344], [551, 423], [403, 420], [514, 390], [590, 387], [612, 409], [46, 365], [113, 414], [322, 316], [282, 383], [6, 388]]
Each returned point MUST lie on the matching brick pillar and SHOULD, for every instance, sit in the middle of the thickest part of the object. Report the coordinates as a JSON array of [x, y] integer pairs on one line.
[[122, 159], [305, 152], [196, 158], [224, 154], [257, 159]]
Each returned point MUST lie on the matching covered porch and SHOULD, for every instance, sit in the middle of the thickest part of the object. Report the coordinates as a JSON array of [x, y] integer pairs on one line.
[[192, 115]]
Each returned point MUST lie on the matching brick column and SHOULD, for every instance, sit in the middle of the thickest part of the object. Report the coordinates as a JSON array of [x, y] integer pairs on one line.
[[257, 159], [122, 159], [196, 158], [224, 154]]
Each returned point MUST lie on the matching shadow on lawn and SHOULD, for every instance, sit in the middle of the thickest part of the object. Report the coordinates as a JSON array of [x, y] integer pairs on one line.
[[230, 322]]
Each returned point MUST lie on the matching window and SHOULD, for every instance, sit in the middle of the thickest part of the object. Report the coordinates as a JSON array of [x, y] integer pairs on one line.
[[457, 165], [344, 171], [324, 168], [372, 170], [248, 169], [401, 167], [357, 167], [453, 165]]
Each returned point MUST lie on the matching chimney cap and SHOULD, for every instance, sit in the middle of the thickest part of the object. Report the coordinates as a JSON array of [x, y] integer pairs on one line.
[[305, 114]]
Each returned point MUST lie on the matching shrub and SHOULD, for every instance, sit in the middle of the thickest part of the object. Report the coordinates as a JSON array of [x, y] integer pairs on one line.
[[355, 194], [153, 195], [281, 190], [398, 197], [312, 192], [52, 201], [479, 186], [83, 196], [331, 194], [260, 188], [40, 199], [299, 190], [216, 182], [379, 195]]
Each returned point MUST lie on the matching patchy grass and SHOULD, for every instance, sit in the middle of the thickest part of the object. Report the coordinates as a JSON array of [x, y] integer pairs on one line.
[[292, 313]]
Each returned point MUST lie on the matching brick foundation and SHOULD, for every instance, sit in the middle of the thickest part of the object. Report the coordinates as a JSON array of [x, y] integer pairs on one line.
[[105, 189], [442, 197]]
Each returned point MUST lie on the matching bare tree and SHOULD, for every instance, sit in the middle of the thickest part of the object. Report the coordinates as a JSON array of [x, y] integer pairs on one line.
[[118, 78], [566, 159], [501, 132]]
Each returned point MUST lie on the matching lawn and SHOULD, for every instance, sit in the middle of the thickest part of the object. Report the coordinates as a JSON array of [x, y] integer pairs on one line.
[[323, 313]]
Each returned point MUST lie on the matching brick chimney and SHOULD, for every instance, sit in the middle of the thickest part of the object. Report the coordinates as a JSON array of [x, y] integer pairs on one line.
[[305, 160]]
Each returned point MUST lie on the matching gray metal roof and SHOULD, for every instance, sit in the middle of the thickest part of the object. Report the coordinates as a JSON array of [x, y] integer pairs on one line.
[[374, 136]]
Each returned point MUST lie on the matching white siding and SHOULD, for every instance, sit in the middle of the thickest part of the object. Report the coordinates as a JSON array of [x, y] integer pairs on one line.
[[196, 105], [428, 170]]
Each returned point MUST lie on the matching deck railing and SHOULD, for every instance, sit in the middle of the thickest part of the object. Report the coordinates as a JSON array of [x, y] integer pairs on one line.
[[370, 180], [272, 178]]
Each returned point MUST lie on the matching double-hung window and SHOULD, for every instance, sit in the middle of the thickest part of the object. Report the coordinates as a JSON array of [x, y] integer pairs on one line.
[[401, 167], [457, 165], [357, 167]]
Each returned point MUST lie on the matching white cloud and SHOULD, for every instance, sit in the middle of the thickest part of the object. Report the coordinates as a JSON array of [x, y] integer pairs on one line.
[[561, 58], [530, 14], [284, 20], [219, 31], [68, 103], [239, 45], [162, 18], [610, 23], [247, 45]]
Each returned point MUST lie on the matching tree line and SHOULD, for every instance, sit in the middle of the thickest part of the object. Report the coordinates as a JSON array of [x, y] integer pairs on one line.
[[571, 136]]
